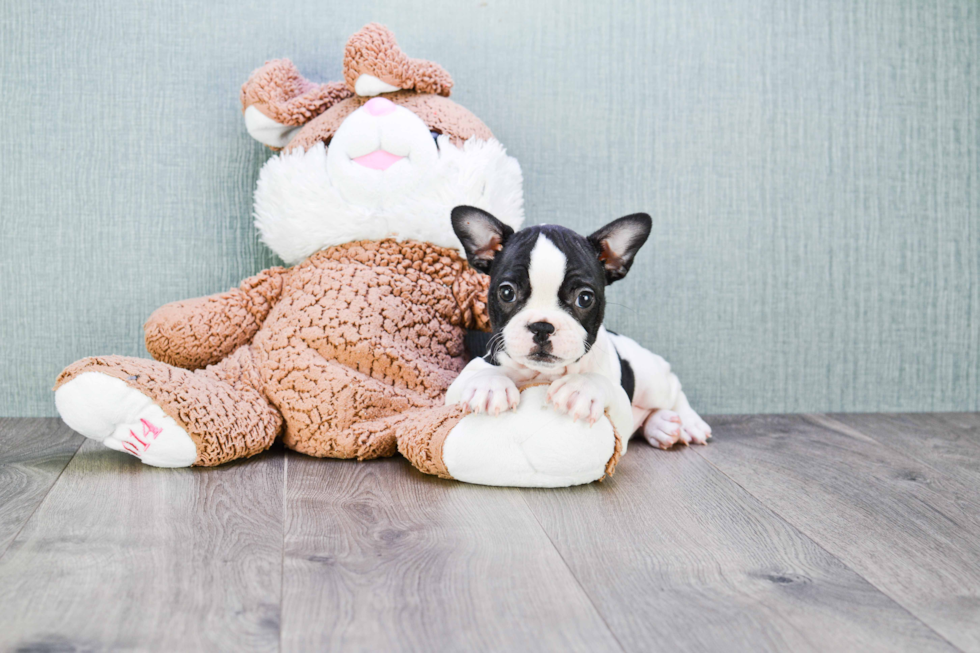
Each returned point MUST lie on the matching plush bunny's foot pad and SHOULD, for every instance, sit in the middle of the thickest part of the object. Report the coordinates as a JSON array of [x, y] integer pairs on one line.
[[105, 409], [533, 446]]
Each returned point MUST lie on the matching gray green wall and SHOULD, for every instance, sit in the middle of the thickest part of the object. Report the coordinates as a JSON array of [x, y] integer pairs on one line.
[[812, 169]]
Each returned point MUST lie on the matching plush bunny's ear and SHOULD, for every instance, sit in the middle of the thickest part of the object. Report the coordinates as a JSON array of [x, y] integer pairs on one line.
[[618, 242], [277, 101], [481, 234], [374, 64]]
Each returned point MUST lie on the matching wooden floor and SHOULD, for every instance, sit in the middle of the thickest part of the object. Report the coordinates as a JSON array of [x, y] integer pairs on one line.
[[788, 533]]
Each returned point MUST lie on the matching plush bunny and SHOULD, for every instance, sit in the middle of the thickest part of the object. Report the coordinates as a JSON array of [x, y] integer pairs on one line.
[[360, 338], [349, 352]]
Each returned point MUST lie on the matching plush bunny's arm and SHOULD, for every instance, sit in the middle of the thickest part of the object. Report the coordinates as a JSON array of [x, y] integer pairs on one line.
[[199, 332]]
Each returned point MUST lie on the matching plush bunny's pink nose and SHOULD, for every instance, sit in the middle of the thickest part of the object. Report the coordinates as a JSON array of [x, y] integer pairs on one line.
[[379, 106]]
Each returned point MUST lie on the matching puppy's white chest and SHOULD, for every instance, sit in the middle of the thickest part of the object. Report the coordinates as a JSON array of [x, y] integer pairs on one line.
[[523, 375]]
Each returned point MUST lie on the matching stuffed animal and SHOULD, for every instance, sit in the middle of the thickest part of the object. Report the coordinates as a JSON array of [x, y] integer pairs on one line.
[[349, 352], [359, 339]]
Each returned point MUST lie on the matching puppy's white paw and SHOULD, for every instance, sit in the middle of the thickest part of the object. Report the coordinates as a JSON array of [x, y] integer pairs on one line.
[[491, 393], [694, 430], [663, 428], [579, 396]]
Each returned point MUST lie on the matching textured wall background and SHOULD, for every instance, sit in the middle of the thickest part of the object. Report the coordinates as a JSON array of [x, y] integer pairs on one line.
[[812, 168]]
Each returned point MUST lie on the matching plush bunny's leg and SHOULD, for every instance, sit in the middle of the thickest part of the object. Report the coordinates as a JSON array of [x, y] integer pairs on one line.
[[105, 409], [168, 416], [421, 440], [334, 411], [532, 446]]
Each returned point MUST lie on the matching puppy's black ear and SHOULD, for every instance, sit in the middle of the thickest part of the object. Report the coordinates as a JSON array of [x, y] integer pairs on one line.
[[481, 234], [618, 242]]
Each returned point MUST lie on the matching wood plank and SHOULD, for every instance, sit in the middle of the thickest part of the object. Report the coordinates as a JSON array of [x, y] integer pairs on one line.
[[33, 453], [379, 557], [909, 529], [948, 442], [678, 557], [127, 557]]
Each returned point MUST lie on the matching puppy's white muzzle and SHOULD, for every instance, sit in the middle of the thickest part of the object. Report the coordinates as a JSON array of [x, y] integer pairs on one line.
[[566, 344]]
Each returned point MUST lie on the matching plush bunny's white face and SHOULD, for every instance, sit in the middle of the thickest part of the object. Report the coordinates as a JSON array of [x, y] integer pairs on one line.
[[384, 175], [381, 150]]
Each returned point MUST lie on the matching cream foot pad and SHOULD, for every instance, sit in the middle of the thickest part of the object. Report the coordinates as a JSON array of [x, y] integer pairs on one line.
[[105, 409]]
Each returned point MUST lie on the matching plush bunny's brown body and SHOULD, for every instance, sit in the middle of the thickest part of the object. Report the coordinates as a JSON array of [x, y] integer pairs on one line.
[[356, 344], [336, 353]]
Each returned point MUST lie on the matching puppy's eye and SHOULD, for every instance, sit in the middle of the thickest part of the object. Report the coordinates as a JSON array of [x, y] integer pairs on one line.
[[506, 293], [585, 299]]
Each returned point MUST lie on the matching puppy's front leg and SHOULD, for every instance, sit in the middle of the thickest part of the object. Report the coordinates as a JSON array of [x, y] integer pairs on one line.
[[581, 396], [484, 388]]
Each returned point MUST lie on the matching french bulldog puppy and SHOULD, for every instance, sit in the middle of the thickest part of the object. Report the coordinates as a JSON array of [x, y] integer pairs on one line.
[[546, 301]]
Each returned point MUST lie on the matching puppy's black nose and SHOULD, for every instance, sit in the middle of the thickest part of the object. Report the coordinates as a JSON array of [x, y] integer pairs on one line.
[[541, 331]]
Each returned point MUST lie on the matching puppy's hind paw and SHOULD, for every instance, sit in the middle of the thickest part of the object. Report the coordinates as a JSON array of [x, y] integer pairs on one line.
[[663, 429], [694, 430]]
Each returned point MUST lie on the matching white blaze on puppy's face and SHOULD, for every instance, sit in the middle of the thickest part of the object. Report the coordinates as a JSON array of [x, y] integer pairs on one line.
[[546, 274]]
